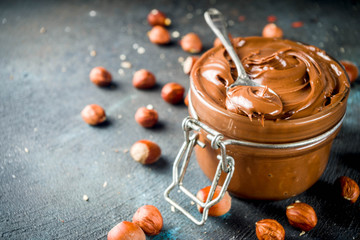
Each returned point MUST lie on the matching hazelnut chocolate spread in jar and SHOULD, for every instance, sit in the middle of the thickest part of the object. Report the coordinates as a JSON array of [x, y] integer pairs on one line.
[[279, 146]]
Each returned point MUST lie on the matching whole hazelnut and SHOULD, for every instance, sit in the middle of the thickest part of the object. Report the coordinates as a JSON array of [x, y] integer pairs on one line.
[[93, 114], [149, 218], [191, 43], [267, 229], [100, 76], [351, 70], [146, 117], [189, 64], [172, 93], [126, 231], [217, 41], [271, 30], [186, 100], [145, 152], [159, 35], [349, 189], [143, 79], [156, 17], [301, 215], [218, 209]]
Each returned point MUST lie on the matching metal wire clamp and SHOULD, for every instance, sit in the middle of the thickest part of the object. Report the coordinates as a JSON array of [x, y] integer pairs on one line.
[[226, 165]]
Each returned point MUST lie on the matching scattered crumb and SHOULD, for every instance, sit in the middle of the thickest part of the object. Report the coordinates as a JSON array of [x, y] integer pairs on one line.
[[126, 64], [135, 46], [231, 23], [169, 110], [175, 34], [121, 71], [122, 57], [116, 150], [93, 53], [26, 150], [125, 150], [150, 107], [342, 50], [302, 233], [4, 21], [35, 129], [162, 56], [67, 29], [119, 116], [85, 198], [179, 191], [181, 59], [297, 201], [172, 208], [141, 50], [63, 69], [11, 77], [128, 176], [42, 30], [13, 176], [105, 184], [192, 203], [92, 13]]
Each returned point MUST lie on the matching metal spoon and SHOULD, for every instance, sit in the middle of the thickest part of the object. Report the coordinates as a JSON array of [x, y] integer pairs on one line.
[[215, 19]]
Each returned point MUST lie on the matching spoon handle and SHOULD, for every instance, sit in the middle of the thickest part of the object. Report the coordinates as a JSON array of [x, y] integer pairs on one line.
[[216, 22]]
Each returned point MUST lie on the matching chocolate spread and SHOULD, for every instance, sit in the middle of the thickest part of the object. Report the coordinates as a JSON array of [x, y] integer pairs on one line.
[[305, 78], [313, 90]]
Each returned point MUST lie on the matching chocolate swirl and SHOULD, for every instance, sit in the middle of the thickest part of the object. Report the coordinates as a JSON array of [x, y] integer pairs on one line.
[[306, 79]]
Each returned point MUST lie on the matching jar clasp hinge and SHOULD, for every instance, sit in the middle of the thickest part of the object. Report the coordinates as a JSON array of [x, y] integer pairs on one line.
[[226, 165]]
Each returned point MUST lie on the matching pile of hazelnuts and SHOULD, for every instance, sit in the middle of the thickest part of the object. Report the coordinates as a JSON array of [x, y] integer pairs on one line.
[[148, 219]]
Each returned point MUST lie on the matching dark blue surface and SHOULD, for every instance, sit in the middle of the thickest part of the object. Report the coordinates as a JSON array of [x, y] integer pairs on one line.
[[45, 85]]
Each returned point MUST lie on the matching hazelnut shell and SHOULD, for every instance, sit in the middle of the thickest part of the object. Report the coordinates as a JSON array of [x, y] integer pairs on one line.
[[146, 117], [149, 218], [218, 209], [93, 114], [301, 215], [145, 152], [269, 229], [172, 93], [126, 231], [100, 76]]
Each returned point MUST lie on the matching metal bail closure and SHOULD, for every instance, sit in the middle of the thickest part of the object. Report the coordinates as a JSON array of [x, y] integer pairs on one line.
[[226, 164]]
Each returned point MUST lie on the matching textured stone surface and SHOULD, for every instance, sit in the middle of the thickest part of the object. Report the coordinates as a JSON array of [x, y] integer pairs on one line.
[[49, 158]]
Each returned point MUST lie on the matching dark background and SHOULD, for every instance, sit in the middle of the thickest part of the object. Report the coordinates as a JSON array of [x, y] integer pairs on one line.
[[49, 158]]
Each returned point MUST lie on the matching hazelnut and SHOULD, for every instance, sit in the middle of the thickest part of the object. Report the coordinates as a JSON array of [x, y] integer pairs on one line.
[[269, 229], [126, 231], [189, 63], [143, 79], [100, 76], [191, 43], [271, 30], [349, 189], [172, 92], [145, 152], [351, 70], [146, 117], [93, 114], [156, 17], [149, 218], [186, 100], [301, 215], [217, 41], [159, 35], [218, 209]]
